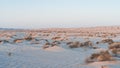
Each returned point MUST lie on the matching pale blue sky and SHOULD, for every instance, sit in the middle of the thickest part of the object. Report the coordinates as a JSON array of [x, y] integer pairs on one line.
[[58, 13]]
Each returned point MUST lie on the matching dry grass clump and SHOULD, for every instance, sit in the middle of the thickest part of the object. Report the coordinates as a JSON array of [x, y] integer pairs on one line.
[[55, 38], [56, 42], [35, 41], [115, 48], [18, 40], [0, 41], [95, 47], [109, 41], [88, 44], [114, 45], [97, 42], [4, 41], [101, 56], [68, 43], [9, 54], [75, 44], [47, 45], [104, 56], [29, 37]]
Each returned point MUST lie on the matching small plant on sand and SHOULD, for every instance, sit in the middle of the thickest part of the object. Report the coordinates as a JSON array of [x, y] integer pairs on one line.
[[75, 44], [97, 42], [29, 38], [4, 41], [68, 43], [0, 41], [55, 43], [88, 44], [115, 48], [9, 53], [109, 41], [55, 38], [18, 40], [46, 46], [101, 56]]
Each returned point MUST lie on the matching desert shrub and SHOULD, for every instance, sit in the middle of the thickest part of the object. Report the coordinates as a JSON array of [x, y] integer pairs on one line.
[[101, 56], [18, 40], [88, 44], [92, 58], [0, 41], [115, 48], [53, 44], [68, 43], [54, 38], [5, 41], [78, 44], [9, 53], [109, 41], [94, 55], [56, 42], [45, 46], [75, 44], [46, 40], [95, 47], [97, 42], [115, 45], [104, 56], [47, 43], [29, 38]]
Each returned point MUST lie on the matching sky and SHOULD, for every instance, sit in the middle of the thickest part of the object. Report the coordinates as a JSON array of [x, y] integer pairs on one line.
[[59, 13]]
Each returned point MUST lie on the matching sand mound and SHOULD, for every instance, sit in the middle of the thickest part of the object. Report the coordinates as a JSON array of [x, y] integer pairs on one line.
[[105, 64], [54, 49]]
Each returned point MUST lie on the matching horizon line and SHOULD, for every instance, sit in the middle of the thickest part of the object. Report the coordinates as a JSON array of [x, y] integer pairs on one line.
[[60, 27]]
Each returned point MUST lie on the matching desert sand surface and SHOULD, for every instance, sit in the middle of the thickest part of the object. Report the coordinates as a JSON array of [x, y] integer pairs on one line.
[[88, 47]]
